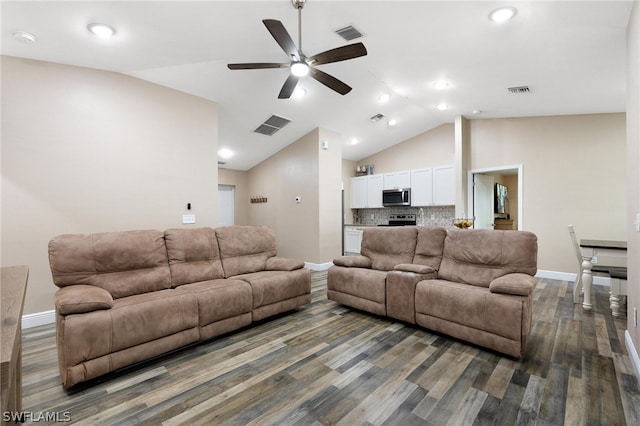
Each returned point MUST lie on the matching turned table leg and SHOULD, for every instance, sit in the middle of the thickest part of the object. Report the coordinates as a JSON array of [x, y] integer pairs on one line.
[[587, 280]]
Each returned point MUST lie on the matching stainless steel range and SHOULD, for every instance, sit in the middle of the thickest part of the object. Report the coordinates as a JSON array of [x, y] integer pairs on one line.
[[401, 220]]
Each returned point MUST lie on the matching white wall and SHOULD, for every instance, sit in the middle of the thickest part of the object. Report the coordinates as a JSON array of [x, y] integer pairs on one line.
[[93, 151]]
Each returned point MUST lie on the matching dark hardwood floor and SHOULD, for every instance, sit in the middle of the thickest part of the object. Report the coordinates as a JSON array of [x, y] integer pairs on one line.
[[327, 364]]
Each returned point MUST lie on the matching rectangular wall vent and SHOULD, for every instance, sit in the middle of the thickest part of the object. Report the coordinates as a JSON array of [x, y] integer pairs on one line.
[[272, 125], [349, 33], [519, 89], [376, 118]]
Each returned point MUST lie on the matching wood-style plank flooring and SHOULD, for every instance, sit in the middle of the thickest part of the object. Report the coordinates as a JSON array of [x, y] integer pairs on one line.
[[327, 364]]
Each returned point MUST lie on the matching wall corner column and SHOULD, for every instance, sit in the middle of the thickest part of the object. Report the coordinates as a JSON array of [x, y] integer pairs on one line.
[[462, 153]]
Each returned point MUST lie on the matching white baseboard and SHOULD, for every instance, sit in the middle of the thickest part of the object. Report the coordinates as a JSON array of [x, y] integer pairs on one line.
[[40, 318], [567, 276], [633, 354], [318, 266]]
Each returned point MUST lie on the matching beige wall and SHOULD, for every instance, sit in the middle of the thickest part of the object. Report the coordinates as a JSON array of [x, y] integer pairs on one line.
[[573, 173], [240, 181], [91, 151], [633, 174], [429, 149], [303, 170]]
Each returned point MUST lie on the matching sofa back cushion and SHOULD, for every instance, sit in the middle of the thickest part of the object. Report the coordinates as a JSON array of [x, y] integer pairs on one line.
[[193, 255], [430, 246], [245, 249], [388, 246], [123, 263], [478, 256]]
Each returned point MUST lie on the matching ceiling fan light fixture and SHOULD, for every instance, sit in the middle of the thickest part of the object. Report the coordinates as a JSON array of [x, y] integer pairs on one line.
[[299, 69]]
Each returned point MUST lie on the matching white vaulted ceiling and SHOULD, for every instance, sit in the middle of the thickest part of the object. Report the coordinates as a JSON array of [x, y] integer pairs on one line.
[[571, 55]]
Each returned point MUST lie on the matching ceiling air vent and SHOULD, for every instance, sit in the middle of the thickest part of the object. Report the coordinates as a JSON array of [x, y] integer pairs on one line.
[[221, 163], [272, 125], [349, 33], [518, 89]]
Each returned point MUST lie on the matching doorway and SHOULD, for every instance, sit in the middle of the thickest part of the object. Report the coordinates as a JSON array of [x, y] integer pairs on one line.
[[226, 205], [482, 197]]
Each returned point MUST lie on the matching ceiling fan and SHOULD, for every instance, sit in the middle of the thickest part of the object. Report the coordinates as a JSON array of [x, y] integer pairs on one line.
[[300, 64]]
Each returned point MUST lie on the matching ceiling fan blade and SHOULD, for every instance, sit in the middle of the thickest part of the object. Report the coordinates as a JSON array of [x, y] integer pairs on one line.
[[288, 87], [256, 66], [338, 54], [329, 81], [282, 37]]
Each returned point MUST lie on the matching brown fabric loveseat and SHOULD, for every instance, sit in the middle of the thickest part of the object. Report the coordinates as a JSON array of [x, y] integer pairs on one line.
[[125, 297], [475, 285]]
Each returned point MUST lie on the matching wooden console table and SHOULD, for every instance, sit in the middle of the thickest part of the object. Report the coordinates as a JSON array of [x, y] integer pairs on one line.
[[602, 253], [13, 286]]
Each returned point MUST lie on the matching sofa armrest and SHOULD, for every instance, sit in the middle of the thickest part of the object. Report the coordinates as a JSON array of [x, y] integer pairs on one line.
[[80, 299], [353, 261], [415, 268], [283, 264], [517, 284]]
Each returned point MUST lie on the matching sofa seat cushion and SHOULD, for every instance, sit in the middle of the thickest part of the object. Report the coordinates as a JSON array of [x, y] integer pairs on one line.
[[193, 255], [471, 306], [275, 286], [220, 299], [364, 283], [131, 321]]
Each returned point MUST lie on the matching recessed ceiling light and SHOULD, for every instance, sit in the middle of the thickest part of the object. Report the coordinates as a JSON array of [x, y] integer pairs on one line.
[[299, 93], [101, 30], [225, 153], [24, 37], [354, 141], [442, 106], [503, 14], [476, 112], [384, 97], [441, 85], [392, 122]]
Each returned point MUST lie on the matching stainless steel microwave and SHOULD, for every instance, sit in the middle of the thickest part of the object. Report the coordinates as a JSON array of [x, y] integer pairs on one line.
[[396, 197]]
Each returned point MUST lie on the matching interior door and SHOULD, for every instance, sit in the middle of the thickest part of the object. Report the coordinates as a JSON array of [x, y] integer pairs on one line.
[[226, 205], [483, 201]]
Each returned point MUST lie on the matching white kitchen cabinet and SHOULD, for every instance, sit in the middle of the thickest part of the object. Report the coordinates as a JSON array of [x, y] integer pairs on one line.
[[444, 186], [397, 180], [359, 192], [375, 184], [422, 187], [352, 239]]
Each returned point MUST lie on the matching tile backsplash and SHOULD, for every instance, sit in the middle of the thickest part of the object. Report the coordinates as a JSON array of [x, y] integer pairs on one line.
[[425, 216]]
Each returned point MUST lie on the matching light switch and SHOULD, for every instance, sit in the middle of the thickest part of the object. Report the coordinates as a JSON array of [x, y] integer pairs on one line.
[[188, 218]]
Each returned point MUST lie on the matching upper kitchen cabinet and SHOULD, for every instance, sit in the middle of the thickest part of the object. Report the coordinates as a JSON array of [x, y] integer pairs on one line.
[[366, 191], [374, 191], [444, 193], [422, 187], [359, 192], [397, 180]]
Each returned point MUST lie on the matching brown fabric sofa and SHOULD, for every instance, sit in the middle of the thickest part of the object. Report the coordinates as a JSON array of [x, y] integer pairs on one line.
[[127, 296], [475, 285]]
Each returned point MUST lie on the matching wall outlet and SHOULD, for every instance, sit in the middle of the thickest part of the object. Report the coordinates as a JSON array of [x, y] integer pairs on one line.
[[188, 218]]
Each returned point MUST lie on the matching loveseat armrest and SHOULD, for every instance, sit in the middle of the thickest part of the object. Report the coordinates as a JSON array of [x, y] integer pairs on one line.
[[415, 268], [283, 264], [80, 299], [353, 261], [517, 284]]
